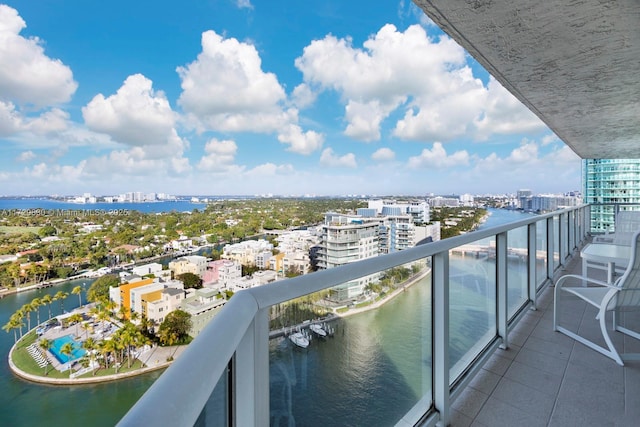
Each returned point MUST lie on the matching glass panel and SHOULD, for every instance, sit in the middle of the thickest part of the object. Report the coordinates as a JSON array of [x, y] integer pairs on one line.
[[541, 253], [517, 271], [216, 410], [472, 299], [373, 366], [556, 242]]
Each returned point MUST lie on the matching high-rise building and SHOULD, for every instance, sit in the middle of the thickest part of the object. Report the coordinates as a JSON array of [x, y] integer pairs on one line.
[[609, 185]]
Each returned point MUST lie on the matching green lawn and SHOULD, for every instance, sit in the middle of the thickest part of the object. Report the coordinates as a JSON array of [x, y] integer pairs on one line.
[[23, 360]]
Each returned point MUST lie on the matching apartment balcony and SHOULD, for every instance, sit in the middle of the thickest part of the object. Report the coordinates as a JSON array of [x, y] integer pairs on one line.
[[480, 351]]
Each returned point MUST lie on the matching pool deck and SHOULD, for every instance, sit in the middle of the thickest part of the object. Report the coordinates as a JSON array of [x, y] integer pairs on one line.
[[153, 358]]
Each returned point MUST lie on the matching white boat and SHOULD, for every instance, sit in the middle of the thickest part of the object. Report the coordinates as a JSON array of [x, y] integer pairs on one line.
[[299, 339], [318, 330]]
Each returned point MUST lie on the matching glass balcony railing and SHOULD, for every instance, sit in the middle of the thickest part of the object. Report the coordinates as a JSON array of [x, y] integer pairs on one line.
[[399, 361]]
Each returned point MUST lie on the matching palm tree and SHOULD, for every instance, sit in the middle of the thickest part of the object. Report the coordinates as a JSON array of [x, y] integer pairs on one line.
[[19, 317], [60, 296], [36, 303], [13, 323], [78, 291], [47, 300], [90, 345], [28, 308], [67, 350], [45, 344], [75, 318]]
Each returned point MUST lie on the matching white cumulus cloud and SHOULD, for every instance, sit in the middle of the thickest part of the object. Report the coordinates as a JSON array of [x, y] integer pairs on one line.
[[301, 142], [383, 155], [27, 75], [225, 88], [136, 115], [438, 158], [329, 158]]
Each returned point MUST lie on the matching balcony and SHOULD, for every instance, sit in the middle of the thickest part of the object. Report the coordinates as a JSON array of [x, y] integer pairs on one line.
[[482, 351]]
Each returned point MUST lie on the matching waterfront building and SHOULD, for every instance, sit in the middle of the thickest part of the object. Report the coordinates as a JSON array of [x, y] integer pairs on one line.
[[607, 183], [157, 304], [122, 294], [347, 239], [151, 268], [195, 264], [138, 294]]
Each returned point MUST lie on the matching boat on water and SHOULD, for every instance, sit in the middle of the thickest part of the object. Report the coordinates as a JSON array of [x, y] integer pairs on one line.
[[318, 330], [299, 339]]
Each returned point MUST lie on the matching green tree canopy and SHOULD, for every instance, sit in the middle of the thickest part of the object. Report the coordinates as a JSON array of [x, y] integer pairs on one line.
[[99, 290], [175, 327], [190, 280]]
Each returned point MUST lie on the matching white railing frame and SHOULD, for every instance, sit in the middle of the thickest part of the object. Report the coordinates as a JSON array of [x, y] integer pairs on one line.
[[240, 332]]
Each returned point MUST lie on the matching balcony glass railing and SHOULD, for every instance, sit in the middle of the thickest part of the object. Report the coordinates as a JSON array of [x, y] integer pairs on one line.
[[402, 362]]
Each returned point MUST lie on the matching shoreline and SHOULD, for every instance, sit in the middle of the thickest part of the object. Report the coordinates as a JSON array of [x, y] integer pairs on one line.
[[388, 297], [154, 359]]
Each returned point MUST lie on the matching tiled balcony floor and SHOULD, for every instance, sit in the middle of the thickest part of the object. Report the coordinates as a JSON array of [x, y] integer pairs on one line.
[[547, 379]]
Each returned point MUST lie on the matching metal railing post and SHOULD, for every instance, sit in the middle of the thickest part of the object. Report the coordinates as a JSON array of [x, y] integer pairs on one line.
[[502, 308], [550, 248], [440, 310], [532, 246], [563, 244], [250, 389]]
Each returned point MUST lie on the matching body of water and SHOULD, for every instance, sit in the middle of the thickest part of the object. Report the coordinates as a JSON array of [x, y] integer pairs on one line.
[[370, 373], [33, 206], [378, 364]]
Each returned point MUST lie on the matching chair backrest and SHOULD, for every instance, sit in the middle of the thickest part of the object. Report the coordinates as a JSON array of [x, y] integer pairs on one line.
[[627, 223], [629, 295]]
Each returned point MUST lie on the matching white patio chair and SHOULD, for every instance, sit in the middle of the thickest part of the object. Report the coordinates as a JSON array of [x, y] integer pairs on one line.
[[622, 295], [627, 223]]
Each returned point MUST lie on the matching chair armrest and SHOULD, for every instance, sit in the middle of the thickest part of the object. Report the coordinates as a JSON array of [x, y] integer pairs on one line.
[[587, 279]]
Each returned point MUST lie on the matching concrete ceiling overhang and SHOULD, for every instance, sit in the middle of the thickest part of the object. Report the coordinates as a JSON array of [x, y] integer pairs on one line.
[[575, 64]]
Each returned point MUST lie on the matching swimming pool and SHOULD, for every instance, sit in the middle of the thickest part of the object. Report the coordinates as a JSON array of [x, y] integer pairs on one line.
[[56, 347]]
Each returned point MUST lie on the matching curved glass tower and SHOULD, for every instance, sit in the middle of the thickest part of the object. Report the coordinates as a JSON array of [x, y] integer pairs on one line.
[[610, 185]]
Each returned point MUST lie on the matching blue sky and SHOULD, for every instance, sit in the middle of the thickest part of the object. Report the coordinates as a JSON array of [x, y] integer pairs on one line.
[[246, 97]]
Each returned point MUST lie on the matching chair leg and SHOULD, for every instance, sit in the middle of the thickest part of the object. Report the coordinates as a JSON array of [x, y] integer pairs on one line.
[[603, 327]]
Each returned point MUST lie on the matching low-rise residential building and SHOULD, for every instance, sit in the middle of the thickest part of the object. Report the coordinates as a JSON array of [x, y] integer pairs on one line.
[[245, 252], [262, 259], [202, 305], [220, 273], [137, 294], [151, 268], [122, 294], [195, 264], [298, 262], [157, 304], [276, 263]]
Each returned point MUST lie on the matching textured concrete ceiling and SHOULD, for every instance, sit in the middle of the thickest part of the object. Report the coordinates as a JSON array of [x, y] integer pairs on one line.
[[576, 64]]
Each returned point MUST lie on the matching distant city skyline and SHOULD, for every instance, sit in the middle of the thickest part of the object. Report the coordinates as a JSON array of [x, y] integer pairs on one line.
[[238, 98]]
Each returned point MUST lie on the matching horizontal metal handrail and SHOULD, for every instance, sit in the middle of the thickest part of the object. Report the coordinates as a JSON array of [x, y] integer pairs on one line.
[[179, 395]]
